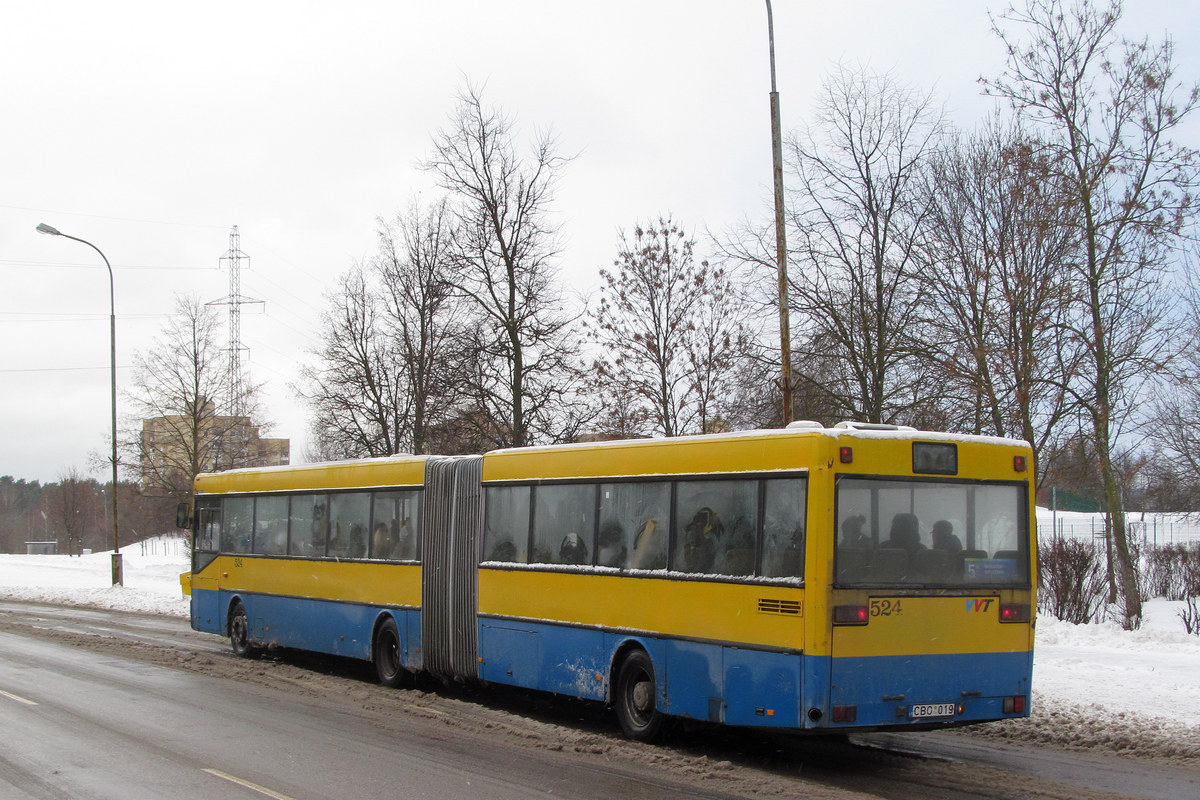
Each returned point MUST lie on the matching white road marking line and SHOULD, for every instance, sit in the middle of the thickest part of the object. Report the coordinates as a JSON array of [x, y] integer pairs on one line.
[[17, 698], [247, 784]]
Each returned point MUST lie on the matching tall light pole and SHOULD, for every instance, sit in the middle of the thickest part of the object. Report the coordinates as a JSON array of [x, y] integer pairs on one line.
[[118, 576], [785, 336]]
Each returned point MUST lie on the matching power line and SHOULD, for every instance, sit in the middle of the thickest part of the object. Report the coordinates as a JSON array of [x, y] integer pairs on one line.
[[308, 335], [115, 219], [80, 265], [106, 367], [50, 316]]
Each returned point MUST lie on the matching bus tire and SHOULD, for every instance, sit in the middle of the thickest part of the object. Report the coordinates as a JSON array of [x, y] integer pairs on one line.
[[634, 698], [386, 655], [239, 632]]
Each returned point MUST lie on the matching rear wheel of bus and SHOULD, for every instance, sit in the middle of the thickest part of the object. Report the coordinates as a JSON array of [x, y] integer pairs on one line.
[[239, 632], [634, 697], [388, 666]]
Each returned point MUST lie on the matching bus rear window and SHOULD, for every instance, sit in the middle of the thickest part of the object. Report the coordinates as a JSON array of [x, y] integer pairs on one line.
[[925, 533]]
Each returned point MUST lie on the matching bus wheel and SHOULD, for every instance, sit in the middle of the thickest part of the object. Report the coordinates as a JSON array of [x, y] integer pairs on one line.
[[387, 656], [239, 632], [634, 698]]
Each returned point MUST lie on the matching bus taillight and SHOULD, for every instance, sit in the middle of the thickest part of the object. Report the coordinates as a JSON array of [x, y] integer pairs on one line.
[[850, 615], [1014, 705], [845, 713], [1014, 612]]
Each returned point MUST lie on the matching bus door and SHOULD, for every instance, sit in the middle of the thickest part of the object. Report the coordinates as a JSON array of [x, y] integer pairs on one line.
[[206, 614], [930, 605]]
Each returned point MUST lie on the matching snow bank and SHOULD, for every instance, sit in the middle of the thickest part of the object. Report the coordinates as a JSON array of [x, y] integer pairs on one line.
[[151, 571]]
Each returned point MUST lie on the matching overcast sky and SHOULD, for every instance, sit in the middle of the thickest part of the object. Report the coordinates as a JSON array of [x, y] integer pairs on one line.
[[150, 129]]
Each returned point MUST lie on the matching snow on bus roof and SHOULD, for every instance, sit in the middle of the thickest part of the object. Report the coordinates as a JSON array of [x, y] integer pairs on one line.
[[843, 429], [400, 458], [858, 430]]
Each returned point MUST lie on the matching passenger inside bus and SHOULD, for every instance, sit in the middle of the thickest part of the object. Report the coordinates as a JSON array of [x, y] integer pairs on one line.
[[739, 550], [944, 537], [573, 550], [406, 542], [383, 543], [700, 537], [905, 534], [649, 551], [852, 532], [610, 545]]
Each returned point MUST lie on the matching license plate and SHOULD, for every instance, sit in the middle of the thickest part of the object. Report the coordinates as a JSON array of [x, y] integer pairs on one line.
[[931, 710]]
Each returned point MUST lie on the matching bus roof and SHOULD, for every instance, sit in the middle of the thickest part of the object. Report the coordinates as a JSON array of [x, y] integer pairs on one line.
[[751, 450], [405, 470]]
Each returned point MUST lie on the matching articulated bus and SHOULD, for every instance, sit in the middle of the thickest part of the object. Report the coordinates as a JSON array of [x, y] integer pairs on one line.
[[810, 578]]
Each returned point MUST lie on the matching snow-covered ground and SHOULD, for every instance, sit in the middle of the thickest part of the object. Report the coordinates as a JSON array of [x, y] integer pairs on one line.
[[151, 570], [1094, 685]]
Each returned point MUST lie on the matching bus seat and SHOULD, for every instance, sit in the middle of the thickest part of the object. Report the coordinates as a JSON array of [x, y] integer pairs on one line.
[[932, 565], [739, 561], [851, 563], [1013, 554], [889, 565], [791, 563]]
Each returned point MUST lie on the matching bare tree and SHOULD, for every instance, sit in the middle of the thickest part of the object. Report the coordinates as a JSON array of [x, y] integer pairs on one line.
[[180, 393], [522, 368], [1000, 247], [672, 332], [427, 317], [396, 344], [72, 508], [858, 217], [355, 391], [1175, 465], [719, 351], [624, 414], [646, 315], [1108, 106]]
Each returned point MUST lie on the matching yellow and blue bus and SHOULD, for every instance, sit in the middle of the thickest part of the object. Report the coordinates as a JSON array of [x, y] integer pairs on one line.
[[808, 578]]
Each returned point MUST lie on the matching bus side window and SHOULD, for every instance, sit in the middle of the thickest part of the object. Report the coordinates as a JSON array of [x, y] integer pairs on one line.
[[784, 508], [410, 526], [208, 532], [506, 524], [634, 520], [716, 527], [238, 531], [308, 519], [208, 525], [349, 516], [564, 522], [395, 520], [271, 525]]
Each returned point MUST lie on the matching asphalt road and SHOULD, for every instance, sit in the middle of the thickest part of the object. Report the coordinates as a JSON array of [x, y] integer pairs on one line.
[[99, 704]]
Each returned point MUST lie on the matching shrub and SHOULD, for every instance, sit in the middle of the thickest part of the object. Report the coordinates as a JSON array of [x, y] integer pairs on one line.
[[1072, 580], [1165, 571], [1190, 613]]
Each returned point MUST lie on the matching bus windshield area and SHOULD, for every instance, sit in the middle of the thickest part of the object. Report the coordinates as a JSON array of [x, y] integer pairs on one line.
[[919, 533]]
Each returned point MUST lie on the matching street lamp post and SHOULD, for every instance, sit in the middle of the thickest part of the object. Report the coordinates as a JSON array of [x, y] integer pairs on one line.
[[785, 336], [118, 576]]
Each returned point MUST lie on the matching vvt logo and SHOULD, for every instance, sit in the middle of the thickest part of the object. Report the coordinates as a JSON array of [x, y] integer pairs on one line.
[[979, 604]]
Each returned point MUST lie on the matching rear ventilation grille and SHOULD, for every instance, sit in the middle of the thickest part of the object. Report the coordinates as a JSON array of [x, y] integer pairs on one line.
[[769, 606]]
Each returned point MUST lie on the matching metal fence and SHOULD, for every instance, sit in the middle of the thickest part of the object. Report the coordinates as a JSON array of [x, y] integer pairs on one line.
[[1148, 528], [164, 546]]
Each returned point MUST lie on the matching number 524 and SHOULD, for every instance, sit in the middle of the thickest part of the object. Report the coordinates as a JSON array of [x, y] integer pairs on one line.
[[885, 608]]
